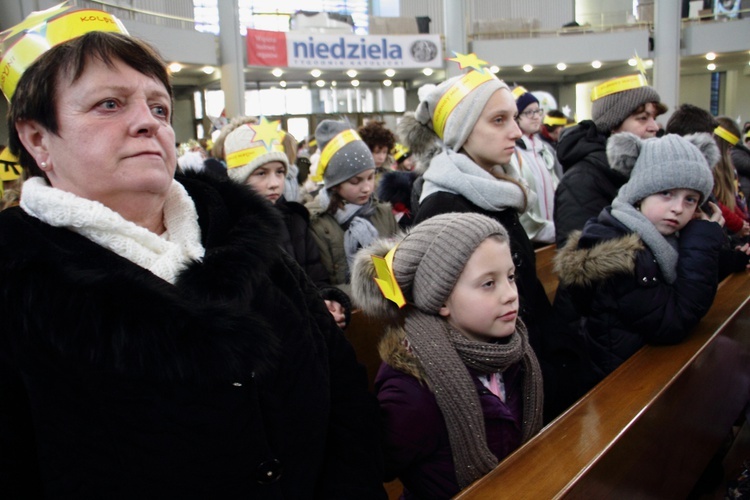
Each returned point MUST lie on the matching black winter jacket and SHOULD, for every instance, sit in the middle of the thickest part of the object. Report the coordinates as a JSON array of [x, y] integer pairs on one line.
[[610, 282], [588, 184], [232, 383]]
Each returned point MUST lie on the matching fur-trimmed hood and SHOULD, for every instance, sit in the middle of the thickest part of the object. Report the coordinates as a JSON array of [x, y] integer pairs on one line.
[[420, 139], [584, 266]]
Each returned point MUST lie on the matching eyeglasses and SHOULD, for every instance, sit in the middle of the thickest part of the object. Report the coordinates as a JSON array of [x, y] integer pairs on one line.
[[533, 112]]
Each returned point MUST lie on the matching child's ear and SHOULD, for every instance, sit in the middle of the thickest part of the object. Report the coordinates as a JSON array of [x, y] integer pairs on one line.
[[623, 149], [444, 311]]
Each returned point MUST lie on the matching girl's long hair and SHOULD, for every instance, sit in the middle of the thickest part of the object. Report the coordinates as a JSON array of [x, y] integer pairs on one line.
[[725, 188]]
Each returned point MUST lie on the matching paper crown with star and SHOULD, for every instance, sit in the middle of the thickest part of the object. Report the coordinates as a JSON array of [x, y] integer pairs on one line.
[[10, 169], [478, 75], [622, 83], [25, 42], [249, 141]]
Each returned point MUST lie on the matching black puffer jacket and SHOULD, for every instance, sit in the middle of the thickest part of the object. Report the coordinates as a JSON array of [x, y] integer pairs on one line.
[[610, 282], [741, 161], [588, 184], [233, 382]]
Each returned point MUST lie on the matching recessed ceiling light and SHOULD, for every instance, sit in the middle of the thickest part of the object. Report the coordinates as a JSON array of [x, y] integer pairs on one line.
[[710, 56], [495, 69], [355, 83], [528, 68], [351, 73], [427, 71], [387, 83], [208, 69], [175, 67], [283, 84], [316, 73], [320, 83], [277, 72], [562, 66], [390, 73], [631, 62], [333, 83], [596, 64], [711, 67]]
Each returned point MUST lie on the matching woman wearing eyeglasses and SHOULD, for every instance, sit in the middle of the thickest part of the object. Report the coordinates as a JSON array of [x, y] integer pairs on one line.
[[537, 162]]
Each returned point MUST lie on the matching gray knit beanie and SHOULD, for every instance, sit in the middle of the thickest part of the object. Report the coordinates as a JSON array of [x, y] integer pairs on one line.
[[347, 160], [430, 259], [460, 121], [610, 111], [244, 155], [660, 164]]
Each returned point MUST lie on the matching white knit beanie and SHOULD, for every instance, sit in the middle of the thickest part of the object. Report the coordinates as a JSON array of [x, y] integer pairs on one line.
[[244, 154], [462, 98]]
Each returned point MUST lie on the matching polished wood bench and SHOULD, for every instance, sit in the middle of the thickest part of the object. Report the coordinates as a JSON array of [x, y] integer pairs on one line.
[[545, 269], [650, 428]]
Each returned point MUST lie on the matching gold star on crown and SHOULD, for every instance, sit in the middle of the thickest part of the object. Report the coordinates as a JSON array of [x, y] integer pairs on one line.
[[267, 132], [468, 61]]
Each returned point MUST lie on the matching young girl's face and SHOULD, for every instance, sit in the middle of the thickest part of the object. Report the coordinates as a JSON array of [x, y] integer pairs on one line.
[[670, 210], [379, 154], [268, 180], [484, 303], [493, 139], [359, 188]]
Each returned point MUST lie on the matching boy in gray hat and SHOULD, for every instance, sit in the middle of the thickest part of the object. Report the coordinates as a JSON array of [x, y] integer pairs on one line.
[[645, 270], [625, 104]]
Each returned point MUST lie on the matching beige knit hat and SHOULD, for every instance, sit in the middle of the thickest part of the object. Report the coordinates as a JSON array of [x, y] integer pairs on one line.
[[426, 264], [252, 145]]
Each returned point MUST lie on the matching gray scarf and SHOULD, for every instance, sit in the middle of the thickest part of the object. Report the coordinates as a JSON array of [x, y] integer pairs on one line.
[[456, 173], [358, 230], [664, 248], [445, 354]]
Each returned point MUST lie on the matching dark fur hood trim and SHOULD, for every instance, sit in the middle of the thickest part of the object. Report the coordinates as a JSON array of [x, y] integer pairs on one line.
[[420, 139], [395, 187], [394, 351], [584, 266]]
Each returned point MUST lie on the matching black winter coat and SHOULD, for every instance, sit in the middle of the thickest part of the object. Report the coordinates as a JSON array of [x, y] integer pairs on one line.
[[588, 183], [232, 383], [611, 284]]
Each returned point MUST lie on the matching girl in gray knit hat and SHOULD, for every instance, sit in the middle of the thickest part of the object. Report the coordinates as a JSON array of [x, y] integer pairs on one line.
[[460, 387], [644, 271], [346, 217], [465, 130]]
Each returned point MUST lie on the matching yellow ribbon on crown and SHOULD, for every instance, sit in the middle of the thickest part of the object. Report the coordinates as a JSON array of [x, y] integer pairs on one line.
[[726, 135], [10, 169], [399, 151], [620, 84], [22, 44], [386, 280], [244, 156], [334, 145], [518, 92], [554, 120]]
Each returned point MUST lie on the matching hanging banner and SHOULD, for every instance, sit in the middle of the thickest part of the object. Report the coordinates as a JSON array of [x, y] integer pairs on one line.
[[306, 50]]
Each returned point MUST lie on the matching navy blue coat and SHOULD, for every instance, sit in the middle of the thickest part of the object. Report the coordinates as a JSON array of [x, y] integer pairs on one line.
[[613, 289]]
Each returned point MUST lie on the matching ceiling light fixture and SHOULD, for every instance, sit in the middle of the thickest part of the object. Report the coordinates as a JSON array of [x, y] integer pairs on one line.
[[277, 72], [175, 67], [710, 56], [387, 83], [562, 66], [316, 73], [355, 83], [427, 72], [711, 67], [528, 68], [596, 64], [495, 69], [390, 73], [208, 69], [351, 73]]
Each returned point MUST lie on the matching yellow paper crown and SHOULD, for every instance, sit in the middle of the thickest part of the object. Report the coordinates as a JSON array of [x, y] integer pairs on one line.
[[334, 145], [386, 280], [726, 135], [518, 92], [22, 44], [266, 139], [10, 170], [554, 120], [400, 151], [620, 84], [747, 135]]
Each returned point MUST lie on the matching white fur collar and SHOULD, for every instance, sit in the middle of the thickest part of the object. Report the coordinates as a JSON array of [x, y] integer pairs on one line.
[[164, 255]]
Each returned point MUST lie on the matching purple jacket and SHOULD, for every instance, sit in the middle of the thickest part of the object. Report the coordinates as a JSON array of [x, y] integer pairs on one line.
[[416, 444]]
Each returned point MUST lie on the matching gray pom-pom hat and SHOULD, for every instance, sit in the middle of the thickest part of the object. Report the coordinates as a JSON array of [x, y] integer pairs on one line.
[[660, 164]]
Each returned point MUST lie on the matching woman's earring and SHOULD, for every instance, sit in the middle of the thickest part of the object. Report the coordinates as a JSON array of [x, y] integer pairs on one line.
[[43, 165]]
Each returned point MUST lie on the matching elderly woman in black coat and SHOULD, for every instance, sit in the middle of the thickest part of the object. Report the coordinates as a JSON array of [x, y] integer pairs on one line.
[[156, 344]]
